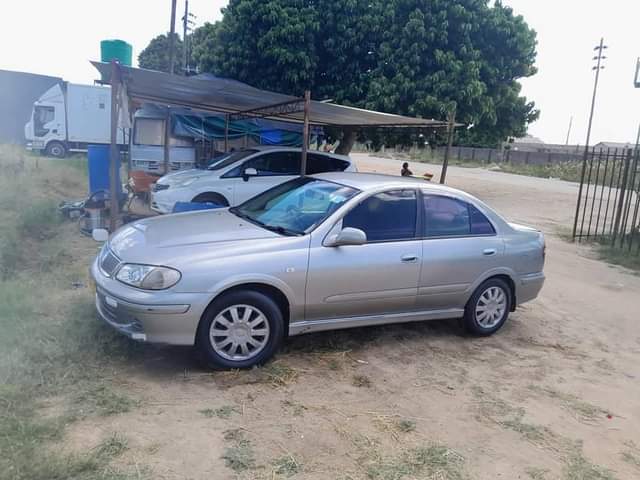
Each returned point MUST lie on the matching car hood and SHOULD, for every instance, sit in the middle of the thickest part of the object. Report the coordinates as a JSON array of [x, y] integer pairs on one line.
[[160, 239], [182, 176]]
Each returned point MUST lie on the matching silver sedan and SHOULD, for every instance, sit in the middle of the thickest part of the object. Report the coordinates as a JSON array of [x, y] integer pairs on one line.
[[323, 252]]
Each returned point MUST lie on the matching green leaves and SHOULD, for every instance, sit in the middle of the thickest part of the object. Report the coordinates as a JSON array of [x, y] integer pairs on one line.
[[415, 57]]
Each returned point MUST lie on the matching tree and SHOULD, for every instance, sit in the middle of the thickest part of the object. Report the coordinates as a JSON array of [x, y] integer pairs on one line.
[[156, 55], [414, 57]]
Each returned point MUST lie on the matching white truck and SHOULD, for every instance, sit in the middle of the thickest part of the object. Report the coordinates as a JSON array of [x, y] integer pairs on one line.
[[68, 117]]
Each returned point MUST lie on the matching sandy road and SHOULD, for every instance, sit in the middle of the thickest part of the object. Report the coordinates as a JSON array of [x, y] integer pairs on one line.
[[556, 393]]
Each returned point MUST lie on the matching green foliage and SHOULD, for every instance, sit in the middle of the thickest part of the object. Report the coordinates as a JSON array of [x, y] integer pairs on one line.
[[156, 55], [415, 57]]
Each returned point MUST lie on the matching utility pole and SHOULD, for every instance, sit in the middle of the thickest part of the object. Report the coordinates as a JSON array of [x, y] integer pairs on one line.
[[569, 130], [599, 58], [187, 25], [451, 125], [185, 28], [172, 37]]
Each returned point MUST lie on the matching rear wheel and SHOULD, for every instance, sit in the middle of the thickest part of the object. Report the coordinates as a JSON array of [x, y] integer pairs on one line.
[[239, 330], [56, 149], [211, 197], [488, 308]]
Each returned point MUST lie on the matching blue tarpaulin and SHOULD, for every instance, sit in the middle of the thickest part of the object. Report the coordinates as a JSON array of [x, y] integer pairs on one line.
[[212, 127]]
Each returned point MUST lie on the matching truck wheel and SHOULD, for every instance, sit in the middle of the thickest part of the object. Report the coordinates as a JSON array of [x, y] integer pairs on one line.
[[239, 330], [56, 149], [211, 197]]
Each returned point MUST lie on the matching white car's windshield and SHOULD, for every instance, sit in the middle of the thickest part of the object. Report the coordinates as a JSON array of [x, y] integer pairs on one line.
[[295, 207]]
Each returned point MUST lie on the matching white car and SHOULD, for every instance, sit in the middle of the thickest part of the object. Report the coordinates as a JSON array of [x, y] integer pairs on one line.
[[241, 175]]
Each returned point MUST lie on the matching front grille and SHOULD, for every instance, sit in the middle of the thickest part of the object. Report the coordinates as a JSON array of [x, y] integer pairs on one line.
[[109, 262]]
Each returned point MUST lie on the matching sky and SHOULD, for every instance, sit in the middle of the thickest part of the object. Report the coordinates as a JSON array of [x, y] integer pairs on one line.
[[59, 38]]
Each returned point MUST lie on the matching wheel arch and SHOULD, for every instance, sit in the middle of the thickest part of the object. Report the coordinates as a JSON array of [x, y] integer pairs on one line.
[[213, 195], [504, 274], [267, 289]]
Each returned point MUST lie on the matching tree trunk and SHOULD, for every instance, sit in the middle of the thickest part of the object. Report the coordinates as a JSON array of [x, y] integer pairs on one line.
[[349, 136]]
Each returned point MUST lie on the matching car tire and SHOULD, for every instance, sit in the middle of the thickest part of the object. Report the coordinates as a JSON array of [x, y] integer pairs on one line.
[[56, 149], [211, 197], [488, 308], [248, 317]]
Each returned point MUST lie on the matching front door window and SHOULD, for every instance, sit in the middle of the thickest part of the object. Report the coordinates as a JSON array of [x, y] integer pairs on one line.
[[41, 117]]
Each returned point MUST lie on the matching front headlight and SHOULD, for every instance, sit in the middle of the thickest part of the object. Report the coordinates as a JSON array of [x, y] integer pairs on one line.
[[187, 182], [148, 277]]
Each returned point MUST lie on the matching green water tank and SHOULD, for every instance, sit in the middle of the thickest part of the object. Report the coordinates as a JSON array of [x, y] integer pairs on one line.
[[116, 50]]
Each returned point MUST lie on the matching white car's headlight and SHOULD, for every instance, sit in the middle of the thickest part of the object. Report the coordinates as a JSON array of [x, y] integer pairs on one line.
[[148, 277], [187, 182]]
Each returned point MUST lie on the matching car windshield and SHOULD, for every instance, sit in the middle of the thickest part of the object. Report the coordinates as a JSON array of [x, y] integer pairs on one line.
[[295, 207], [229, 158]]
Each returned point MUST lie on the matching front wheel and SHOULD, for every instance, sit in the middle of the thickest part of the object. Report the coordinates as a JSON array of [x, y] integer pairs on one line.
[[488, 308], [239, 330], [56, 149]]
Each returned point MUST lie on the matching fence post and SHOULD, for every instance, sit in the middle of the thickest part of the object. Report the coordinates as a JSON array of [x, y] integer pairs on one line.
[[619, 207]]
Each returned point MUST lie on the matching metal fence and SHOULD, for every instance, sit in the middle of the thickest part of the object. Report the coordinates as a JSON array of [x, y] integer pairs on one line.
[[607, 209]]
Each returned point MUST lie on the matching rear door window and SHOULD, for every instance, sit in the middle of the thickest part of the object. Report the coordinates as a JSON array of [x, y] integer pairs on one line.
[[450, 217], [318, 163]]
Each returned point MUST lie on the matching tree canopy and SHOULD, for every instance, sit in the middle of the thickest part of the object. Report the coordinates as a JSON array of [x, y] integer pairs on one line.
[[415, 57], [156, 55]]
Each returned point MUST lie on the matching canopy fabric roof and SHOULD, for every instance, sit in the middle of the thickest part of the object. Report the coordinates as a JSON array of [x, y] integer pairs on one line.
[[230, 96]]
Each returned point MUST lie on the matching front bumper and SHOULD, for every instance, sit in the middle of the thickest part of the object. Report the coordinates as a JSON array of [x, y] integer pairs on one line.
[[155, 317], [163, 201]]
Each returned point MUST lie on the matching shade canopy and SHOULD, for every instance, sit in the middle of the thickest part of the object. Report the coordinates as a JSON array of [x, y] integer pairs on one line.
[[215, 94]]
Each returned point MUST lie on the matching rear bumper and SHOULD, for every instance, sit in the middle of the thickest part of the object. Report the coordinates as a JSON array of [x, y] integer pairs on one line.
[[529, 287]]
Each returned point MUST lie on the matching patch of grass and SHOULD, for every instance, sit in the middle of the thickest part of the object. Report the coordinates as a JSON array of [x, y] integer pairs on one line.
[[536, 473], [51, 345], [583, 411], [113, 446], [435, 461], [632, 454], [361, 381], [239, 457], [406, 426], [279, 374], [579, 468], [297, 409], [287, 466], [223, 412], [622, 256], [102, 400]]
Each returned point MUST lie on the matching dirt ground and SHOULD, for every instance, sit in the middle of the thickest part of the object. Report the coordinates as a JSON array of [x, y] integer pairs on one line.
[[554, 395]]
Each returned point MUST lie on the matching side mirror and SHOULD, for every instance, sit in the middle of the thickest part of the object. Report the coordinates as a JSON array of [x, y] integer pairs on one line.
[[100, 234], [249, 172], [348, 236]]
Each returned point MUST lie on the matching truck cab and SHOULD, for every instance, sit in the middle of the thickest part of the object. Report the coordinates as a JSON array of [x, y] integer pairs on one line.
[[46, 130]]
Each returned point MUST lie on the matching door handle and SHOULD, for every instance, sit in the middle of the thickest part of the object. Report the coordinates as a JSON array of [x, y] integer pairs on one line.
[[489, 251], [409, 258]]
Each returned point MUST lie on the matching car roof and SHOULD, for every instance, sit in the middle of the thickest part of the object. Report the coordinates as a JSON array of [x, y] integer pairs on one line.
[[269, 148], [377, 181]]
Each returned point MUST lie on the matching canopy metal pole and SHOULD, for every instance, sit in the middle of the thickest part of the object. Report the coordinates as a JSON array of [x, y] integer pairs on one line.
[[305, 132], [226, 133], [167, 139], [113, 150]]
